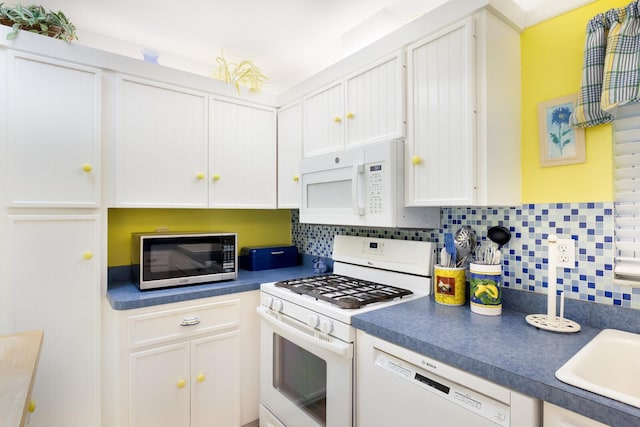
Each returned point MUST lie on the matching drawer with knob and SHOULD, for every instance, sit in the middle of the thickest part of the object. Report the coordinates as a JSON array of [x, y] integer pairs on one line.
[[172, 324]]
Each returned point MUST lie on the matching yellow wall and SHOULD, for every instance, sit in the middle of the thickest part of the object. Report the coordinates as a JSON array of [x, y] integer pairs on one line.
[[254, 227], [552, 53]]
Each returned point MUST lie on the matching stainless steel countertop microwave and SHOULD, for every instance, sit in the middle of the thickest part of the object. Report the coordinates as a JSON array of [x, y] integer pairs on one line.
[[166, 259]]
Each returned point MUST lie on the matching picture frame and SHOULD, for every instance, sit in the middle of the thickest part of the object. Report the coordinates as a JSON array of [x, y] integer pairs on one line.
[[560, 143]]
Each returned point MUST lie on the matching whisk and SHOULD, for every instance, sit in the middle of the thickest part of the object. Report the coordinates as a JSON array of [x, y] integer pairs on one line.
[[465, 242]]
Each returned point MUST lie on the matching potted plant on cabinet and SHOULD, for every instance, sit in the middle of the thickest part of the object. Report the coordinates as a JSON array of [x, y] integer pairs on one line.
[[37, 20], [243, 73]]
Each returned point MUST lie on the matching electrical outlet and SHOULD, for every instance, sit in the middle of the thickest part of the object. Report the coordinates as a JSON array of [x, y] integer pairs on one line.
[[566, 253]]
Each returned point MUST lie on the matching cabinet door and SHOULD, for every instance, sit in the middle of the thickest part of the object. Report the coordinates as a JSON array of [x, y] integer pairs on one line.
[[249, 356], [215, 381], [242, 155], [161, 145], [324, 121], [159, 387], [555, 416], [53, 133], [55, 277], [374, 102], [289, 155], [440, 151]]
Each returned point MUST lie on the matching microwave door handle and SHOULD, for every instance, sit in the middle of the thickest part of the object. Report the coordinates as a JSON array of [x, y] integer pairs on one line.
[[358, 171]]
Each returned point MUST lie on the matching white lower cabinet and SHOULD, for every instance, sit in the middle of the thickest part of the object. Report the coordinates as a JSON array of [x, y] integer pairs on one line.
[[157, 385], [555, 416], [188, 364], [53, 284], [215, 393], [187, 384]]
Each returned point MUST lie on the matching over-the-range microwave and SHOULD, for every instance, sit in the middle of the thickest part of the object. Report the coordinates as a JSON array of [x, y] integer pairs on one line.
[[167, 259], [362, 185]]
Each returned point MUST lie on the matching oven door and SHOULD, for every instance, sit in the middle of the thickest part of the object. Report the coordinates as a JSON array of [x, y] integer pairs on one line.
[[306, 378]]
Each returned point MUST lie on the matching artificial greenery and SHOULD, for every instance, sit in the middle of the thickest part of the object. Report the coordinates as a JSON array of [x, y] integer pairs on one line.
[[37, 20], [243, 73]]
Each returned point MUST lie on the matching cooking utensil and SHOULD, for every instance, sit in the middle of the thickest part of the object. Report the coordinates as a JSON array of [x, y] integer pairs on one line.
[[450, 245], [487, 254], [500, 235], [445, 258], [465, 242]]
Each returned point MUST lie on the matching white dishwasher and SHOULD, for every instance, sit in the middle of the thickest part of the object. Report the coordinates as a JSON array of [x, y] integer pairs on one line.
[[399, 387]]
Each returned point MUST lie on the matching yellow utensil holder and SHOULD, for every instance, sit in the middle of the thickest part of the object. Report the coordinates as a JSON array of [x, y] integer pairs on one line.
[[449, 288]]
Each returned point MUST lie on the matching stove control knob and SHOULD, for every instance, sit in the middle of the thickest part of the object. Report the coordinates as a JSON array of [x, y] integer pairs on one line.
[[267, 301], [313, 321], [326, 326], [277, 305]]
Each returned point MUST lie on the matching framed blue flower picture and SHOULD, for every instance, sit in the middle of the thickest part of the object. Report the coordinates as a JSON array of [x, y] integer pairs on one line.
[[560, 143]]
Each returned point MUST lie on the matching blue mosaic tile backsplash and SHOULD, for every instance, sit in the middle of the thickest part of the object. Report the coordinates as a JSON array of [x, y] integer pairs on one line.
[[591, 225]]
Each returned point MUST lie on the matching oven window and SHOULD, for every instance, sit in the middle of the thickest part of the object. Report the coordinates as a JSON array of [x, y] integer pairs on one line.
[[300, 376]]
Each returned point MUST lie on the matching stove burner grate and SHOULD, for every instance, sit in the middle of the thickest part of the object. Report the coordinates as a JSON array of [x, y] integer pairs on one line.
[[343, 291]]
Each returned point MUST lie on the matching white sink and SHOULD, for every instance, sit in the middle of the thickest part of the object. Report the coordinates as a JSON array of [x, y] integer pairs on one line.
[[608, 365]]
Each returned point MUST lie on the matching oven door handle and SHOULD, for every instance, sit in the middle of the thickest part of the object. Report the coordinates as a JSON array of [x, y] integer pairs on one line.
[[342, 349]]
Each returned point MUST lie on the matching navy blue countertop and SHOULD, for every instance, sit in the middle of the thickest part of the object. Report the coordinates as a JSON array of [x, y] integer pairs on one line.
[[504, 349], [123, 294]]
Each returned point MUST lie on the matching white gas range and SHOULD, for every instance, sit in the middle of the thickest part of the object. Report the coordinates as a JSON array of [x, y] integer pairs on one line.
[[307, 341]]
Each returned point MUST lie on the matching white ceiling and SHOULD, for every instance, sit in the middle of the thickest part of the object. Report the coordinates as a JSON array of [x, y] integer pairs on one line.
[[290, 40]]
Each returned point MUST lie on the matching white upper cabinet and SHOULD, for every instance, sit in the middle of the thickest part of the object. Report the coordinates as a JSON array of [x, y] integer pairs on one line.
[[242, 155], [181, 148], [441, 118], [463, 145], [323, 120], [374, 107], [367, 106], [161, 145], [54, 116], [289, 155]]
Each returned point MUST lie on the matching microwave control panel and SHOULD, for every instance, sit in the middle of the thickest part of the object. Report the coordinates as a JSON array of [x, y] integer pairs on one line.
[[229, 254], [375, 189]]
